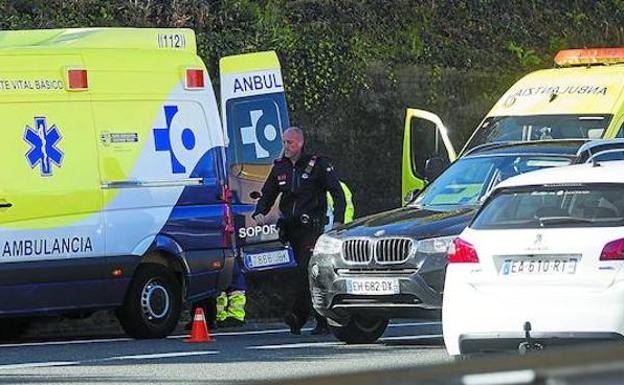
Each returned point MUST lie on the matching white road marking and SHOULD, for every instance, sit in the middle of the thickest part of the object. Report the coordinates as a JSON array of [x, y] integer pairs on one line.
[[93, 341], [37, 365], [406, 324], [159, 355], [107, 359], [278, 331], [295, 346], [235, 333], [245, 333], [411, 337], [325, 344]]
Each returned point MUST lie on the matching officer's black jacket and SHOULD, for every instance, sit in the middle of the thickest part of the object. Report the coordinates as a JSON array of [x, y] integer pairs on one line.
[[302, 193]]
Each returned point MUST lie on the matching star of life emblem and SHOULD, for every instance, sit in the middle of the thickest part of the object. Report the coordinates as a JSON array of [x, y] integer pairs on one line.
[[43, 141]]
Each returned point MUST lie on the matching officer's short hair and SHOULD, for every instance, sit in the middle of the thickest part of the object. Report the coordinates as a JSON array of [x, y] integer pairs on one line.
[[296, 130]]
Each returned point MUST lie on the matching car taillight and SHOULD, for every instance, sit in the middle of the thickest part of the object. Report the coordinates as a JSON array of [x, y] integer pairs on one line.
[[613, 251], [462, 252], [228, 217]]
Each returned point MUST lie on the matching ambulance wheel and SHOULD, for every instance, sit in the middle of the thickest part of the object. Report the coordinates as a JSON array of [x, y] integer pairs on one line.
[[153, 303], [360, 330]]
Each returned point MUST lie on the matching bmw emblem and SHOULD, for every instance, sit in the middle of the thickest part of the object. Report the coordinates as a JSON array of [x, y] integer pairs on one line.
[[379, 233]]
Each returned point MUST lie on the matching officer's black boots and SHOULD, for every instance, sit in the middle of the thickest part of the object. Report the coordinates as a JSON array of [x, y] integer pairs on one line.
[[293, 322]]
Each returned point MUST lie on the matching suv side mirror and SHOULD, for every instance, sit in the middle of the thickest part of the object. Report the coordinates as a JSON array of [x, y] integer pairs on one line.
[[434, 167], [255, 195]]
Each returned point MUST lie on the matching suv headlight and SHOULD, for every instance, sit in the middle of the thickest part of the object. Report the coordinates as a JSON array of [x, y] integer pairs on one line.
[[327, 245], [435, 245]]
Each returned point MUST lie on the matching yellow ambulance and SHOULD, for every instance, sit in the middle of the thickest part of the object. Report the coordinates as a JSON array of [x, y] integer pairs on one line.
[[581, 98], [114, 193]]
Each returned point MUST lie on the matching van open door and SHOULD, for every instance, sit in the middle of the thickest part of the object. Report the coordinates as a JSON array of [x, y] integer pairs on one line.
[[427, 150], [255, 114]]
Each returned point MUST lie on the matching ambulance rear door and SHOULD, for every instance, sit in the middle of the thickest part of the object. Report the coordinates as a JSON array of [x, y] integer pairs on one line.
[[255, 114], [427, 150]]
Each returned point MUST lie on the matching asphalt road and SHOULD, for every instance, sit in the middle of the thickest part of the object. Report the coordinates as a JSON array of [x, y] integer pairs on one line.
[[260, 352]]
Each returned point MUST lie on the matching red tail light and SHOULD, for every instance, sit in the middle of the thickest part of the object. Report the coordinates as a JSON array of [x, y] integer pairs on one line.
[[228, 217], [462, 252], [613, 251]]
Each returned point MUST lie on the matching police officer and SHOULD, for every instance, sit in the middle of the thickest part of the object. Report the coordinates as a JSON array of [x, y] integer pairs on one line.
[[302, 179]]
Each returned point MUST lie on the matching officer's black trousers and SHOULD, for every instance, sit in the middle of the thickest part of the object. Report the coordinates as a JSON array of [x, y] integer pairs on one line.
[[302, 241]]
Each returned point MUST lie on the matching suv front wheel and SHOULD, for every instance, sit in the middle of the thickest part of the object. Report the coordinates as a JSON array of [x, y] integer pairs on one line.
[[360, 330]]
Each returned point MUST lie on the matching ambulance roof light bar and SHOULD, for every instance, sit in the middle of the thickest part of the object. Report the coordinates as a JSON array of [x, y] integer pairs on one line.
[[589, 56]]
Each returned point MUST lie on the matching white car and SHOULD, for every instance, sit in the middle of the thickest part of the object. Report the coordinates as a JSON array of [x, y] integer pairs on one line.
[[545, 253]]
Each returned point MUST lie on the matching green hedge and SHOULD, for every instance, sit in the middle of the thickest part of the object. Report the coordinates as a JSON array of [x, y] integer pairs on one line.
[[352, 66]]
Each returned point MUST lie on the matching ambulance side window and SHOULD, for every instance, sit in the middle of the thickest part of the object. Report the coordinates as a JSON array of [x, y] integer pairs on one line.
[[425, 143]]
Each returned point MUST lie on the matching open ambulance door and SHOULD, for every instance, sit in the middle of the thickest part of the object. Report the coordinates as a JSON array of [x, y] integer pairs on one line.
[[254, 115], [427, 150]]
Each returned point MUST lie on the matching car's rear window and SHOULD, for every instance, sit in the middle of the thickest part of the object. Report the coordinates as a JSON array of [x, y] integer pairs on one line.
[[582, 205]]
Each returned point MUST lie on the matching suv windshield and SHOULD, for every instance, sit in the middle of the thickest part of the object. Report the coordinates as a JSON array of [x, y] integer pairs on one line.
[[540, 127], [592, 205], [467, 180]]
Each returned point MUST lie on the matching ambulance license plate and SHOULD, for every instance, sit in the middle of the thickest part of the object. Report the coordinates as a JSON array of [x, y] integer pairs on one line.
[[373, 286], [269, 258]]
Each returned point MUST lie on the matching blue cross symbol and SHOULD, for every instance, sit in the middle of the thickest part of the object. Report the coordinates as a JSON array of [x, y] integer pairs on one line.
[[162, 139], [43, 150]]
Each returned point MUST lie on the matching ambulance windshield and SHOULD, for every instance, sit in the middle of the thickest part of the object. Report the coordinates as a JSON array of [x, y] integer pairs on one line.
[[540, 127]]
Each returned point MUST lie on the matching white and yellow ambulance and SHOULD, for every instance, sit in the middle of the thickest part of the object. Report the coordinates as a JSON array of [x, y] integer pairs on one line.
[[581, 98], [114, 193]]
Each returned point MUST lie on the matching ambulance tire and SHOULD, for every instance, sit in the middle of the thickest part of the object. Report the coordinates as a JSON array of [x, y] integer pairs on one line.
[[153, 303], [360, 330]]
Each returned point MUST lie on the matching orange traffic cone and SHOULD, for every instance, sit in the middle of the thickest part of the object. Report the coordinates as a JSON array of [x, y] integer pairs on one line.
[[199, 332]]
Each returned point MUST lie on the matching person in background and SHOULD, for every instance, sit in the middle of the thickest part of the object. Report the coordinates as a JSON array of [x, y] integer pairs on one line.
[[231, 302], [349, 208]]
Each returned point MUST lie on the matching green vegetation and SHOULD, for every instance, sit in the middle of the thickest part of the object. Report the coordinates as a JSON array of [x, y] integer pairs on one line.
[[352, 66]]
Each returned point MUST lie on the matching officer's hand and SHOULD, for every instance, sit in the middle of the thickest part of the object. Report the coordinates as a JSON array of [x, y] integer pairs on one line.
[[337, 224], [260, 219]]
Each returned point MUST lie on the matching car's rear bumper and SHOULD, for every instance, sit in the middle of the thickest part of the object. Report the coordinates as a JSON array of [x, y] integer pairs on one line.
[[476, 320], [480, 343]]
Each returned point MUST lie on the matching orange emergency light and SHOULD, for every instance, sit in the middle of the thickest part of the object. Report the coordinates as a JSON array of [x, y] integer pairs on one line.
[[588, 56]]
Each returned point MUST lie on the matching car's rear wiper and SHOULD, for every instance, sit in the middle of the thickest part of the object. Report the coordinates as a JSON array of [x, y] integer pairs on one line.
[[545, 221]]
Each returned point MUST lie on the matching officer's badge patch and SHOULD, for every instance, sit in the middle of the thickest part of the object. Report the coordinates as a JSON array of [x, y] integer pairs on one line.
[[281, 177], [304, 176]]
